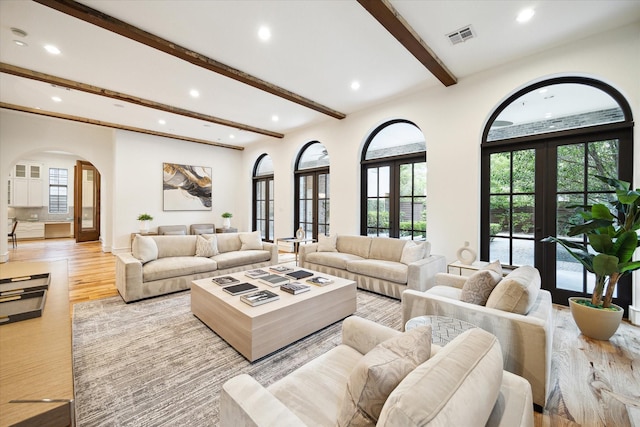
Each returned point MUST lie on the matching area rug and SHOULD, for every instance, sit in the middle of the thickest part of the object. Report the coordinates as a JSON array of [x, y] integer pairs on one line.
[[152, 363]]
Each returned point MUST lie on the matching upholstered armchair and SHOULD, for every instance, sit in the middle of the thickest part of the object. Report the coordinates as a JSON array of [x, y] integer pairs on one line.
[[515, 310], [377, 377]]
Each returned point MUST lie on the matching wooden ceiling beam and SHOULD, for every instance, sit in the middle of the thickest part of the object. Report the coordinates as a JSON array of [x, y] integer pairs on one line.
[[114, 125], [110, 23], [388, 16], [94, 90]]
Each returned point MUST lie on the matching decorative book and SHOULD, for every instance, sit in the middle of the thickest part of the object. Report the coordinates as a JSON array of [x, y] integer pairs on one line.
[[260, 297], [295, 288], [256, 273], [299, 274], [273, 280], [225, 280], [241, 288], [281, 269], [319, 281]]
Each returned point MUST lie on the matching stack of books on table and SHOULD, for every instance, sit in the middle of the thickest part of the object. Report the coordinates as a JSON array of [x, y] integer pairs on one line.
[[273, 280], [259, 297], [281, 269], [295, 288], [319, 281], [224, 280], [299, 274], [256, 273]]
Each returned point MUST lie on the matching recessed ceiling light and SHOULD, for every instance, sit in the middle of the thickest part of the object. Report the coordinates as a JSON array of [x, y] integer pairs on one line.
[[275, 118], [194, 93], [543, 90], [20, 43], [264, 33], [56, 99], [52, 49], [162, 121], [525, 15], [355, 85], [231, 136]]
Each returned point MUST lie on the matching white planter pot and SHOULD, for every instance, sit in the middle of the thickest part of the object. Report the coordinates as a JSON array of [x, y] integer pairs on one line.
[[144, 226], [593, 322], [226, 222]]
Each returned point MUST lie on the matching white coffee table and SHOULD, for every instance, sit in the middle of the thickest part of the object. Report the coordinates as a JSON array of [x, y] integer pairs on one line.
[[258, 331], [443, 329]]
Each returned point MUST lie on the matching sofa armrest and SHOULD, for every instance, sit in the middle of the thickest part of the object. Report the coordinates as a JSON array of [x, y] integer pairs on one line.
[[129, 276], [422, 273], [244, 402], [526, 340], [303, 250], [363, 334], [273, 248], [453, 280], [514, 407]]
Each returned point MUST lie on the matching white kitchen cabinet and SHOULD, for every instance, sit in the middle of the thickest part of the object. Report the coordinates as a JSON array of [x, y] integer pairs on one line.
[[26, 186], [30, 230]]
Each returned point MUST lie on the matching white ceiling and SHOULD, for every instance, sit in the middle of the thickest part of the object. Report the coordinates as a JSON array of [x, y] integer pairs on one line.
[[316, 50]]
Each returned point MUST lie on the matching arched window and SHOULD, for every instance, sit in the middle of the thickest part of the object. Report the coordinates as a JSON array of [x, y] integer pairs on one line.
[[394, 182], [312, 190], [263, 197], [540, 151]]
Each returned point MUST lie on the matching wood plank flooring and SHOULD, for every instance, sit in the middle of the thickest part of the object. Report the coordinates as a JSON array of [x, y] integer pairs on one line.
[[594, 383]]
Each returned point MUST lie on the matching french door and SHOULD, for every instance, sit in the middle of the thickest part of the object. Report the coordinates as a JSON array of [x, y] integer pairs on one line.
[[263, 207], [312, 209], [531, 190], [87, 202]]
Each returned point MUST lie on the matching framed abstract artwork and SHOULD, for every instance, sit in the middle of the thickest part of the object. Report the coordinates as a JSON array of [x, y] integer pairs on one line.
[[186, 188]]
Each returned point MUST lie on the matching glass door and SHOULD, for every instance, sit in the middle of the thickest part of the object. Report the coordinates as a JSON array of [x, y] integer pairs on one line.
[[87, 202]]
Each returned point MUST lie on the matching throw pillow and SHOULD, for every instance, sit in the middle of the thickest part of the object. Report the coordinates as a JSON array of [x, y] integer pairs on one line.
[[478, 287], [327, 243], [206, 247], [412, 252], [379, 372], [495, 266], [144, 248], [517, 292], [250, 241]]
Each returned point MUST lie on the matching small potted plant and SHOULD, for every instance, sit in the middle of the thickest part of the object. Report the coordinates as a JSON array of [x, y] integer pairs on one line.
[[144, 219], [612, 235], [226, 219]]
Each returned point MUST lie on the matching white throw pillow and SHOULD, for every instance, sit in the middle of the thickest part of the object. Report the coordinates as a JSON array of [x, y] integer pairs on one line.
[[327, 243], [379, 372], [250, 241], [144, 248], [412, 252], [206, 247]]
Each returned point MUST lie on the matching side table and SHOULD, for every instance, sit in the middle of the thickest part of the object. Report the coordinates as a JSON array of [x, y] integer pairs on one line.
[[227, 230], [461, 269], [443, 329], [296, 244]]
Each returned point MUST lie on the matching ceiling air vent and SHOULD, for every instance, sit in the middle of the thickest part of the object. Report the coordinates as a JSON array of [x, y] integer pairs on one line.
[[461, 35]]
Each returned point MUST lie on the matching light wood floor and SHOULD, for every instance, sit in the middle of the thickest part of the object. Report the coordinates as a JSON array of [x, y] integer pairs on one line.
[[594, 383]]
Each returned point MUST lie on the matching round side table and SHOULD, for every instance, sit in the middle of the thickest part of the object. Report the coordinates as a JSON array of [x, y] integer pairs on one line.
[[443, 329]]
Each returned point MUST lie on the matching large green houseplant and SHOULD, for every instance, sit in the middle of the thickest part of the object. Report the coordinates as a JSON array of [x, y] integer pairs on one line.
[[612, 234]]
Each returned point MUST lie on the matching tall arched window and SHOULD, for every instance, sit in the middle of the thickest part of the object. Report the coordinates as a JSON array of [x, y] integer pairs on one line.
[[312, 190], [540, 151], [394, 182], [263, 197]]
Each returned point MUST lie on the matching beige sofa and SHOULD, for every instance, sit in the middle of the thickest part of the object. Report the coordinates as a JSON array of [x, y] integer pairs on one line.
[[516, 311], [160, 265], [387, 266], [367, 380]]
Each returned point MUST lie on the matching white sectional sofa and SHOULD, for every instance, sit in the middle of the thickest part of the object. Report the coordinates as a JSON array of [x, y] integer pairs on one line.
[[387, 266], [160, 265], [377, 377]]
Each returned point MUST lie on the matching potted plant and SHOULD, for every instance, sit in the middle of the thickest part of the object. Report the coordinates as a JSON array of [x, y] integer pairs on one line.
[[226, 219], [144, 222], [612, 234]]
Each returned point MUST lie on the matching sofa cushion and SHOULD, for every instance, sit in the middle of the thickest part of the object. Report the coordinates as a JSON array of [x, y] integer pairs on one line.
[[355, 245], [386, 270], [331, 259], [250, 241], [446, 291], [379, 372], [167, 267], [236, 258], [458, 386], [517, 292], [478, 287], [170, 246], [413, 252], [386, 249], [327, 243], [144, 248], [206, 247], [228, 242]]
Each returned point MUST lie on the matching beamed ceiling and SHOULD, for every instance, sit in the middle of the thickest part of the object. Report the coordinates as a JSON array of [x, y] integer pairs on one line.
[[131, 64]]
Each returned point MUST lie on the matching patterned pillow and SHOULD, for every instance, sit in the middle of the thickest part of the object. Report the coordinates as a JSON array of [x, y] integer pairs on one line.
[[250, 241], [327, 243], [379, 372], [479, 285], [206, 247], [144, 248]]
